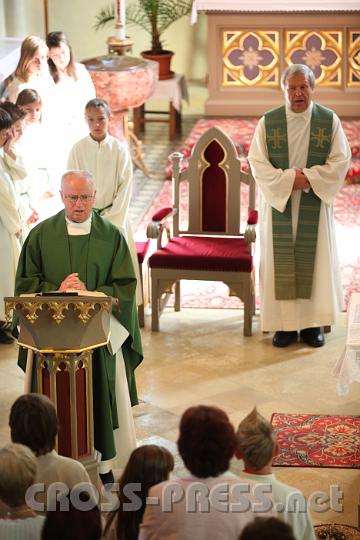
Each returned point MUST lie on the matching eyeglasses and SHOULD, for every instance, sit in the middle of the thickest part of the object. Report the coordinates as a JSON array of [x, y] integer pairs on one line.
[[83, 198]]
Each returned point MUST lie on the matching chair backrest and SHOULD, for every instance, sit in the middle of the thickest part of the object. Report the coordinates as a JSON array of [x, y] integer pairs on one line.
[[214, 177]]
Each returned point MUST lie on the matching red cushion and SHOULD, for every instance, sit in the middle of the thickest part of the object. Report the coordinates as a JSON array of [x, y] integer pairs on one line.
[[252, 217], [141, 250], [163, 212], [204, 253]]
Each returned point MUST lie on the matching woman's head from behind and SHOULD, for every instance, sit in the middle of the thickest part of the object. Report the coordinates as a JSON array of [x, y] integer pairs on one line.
[[75, 517], [206, 441], [61, 58], [148, 465], [33, 58], [18, 468], [33, 422]]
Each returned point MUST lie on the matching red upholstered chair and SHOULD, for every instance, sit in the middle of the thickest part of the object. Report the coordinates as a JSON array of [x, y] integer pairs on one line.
[[212, 247], [141, 251]]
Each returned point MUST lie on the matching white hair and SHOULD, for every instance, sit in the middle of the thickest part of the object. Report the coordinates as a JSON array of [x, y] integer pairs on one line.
[[80, 174], [294, 69]]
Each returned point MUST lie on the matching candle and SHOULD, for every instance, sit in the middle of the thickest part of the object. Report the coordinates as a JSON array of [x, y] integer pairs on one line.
[[123, 19], [119, 13]]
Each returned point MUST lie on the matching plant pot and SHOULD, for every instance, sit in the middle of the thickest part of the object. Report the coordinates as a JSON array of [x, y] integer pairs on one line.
[[164, 60]]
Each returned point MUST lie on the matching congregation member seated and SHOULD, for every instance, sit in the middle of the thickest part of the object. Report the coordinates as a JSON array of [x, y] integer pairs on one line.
[[76, 517], [256, 445], [17, 473], [33, 423], [209, 502], [148, 465], [267, 529]]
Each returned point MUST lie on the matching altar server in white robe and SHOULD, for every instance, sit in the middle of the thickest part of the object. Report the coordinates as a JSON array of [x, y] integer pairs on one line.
[[109, 161], [299, 153], [10, 222]]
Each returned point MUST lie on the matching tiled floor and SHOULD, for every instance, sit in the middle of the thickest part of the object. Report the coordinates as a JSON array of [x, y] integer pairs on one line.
[[201, 356]]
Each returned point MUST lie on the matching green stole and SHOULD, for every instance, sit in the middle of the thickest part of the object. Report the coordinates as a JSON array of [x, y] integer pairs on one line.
[[294, 262]]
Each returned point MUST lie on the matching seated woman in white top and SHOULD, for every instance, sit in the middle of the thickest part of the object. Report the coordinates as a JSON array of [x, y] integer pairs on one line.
[[33, 422], [32, 72], [73, 89], [17, 473]]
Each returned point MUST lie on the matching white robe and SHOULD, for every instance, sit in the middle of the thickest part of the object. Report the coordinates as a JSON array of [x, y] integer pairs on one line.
[[109, 161], [69, 126], [275, 189], [43, 84], [10, 224]]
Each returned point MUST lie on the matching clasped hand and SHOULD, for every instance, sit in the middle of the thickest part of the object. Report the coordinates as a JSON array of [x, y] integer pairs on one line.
[[301, 181], [72, 281]]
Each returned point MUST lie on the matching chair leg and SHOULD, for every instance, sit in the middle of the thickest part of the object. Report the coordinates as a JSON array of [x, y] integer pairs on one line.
[[177, 296], [248, 309], [141, 316], [141, 308], [154, 304]]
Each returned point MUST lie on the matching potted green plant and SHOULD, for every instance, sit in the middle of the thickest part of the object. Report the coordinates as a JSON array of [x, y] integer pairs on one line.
[[154, 16]]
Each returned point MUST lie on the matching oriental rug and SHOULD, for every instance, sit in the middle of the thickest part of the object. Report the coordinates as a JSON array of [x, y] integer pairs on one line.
[[314, 440], [242, 131]]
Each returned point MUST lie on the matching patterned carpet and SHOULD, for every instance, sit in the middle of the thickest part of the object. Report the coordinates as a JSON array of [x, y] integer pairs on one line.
[[314, 440]]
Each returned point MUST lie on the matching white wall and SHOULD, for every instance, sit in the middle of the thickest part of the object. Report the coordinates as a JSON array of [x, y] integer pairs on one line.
[[20, 18]]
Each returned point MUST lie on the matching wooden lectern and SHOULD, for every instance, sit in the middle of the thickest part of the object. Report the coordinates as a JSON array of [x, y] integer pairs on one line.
[[60, 333]]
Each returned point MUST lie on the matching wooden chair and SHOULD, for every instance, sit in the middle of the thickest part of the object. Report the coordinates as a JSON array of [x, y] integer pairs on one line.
[[212, 247], [141, 251]]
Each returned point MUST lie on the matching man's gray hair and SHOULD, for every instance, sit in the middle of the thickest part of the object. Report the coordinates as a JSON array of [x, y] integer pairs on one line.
[[295, 69], [85, 174]]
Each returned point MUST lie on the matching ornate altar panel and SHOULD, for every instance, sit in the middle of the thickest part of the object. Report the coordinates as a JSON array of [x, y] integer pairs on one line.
[[250, 46]]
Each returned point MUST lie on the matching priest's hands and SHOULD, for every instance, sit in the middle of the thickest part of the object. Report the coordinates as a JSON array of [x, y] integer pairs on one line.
[[301, 181], [72, 281]]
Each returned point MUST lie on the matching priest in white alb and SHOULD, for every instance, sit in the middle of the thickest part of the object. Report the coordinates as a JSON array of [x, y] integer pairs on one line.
[[299, 157]]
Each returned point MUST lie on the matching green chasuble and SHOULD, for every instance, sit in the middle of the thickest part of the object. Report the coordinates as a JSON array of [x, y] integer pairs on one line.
[[103, 261], [294, 260]]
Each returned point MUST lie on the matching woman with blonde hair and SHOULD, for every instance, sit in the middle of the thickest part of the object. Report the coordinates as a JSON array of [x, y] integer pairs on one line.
[[17, 474], [32, 70], [73, 89]]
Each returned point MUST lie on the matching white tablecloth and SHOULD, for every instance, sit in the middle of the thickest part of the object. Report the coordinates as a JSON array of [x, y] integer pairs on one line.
[[174, 90]]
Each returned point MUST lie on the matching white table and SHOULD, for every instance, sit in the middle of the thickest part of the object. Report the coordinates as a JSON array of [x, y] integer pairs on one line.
[[173, 91]]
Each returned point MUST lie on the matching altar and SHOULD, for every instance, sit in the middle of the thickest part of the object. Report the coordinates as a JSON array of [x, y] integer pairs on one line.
[[250, 43]]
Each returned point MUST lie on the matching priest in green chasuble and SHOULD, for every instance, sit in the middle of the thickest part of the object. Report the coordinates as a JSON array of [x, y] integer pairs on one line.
[[299, 157], [77, 249]]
